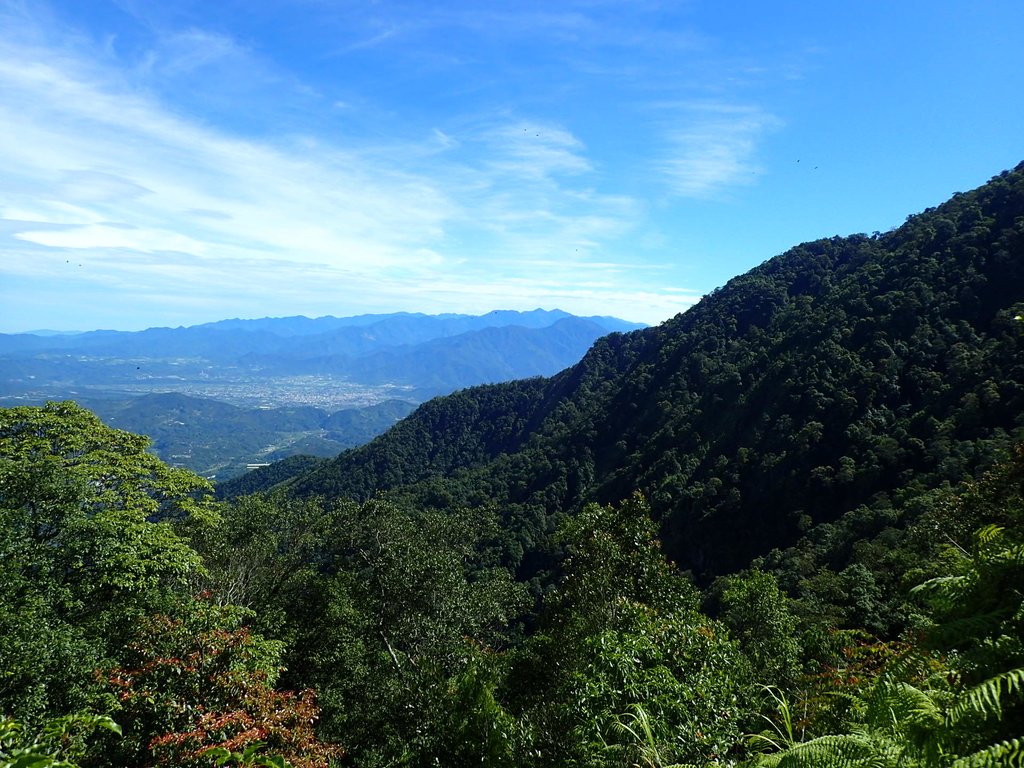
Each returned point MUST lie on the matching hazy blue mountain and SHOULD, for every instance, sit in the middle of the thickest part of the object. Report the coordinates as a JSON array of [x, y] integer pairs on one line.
[[450, 323], [425, 354], [222, 395], [441, 365], [232, 339], [484, 356]]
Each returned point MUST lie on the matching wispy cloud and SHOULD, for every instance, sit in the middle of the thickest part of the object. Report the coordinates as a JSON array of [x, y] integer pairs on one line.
[[155, 168], [102, 184], [712, 146], [376, 39], [535, 150], [97, 186], [191, 50]]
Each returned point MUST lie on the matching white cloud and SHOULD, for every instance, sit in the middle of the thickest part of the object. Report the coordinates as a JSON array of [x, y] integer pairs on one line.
[[96, 186], [713, 146], [41, 211], [186, 52], [117, 156], [98, 170], [106, 236], [535, 150]]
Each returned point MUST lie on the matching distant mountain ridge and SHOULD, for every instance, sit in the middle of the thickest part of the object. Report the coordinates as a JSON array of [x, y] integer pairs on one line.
[[218, 396], [427, 354], [485, 355], [451, 323], [354, 335]]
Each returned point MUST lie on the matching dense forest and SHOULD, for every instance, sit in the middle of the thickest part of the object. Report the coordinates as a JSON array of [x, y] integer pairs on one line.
[[785, 528]]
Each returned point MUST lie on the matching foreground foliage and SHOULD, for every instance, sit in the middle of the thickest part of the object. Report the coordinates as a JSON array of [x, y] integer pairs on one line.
[[957, 698], [96, 617], [398, 637]]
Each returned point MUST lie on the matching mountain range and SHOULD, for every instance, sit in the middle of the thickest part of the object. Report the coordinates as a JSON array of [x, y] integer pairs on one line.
[[232, 340], [428, 354], [217, 397]]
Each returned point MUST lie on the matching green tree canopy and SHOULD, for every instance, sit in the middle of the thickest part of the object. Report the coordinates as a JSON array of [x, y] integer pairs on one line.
[[85, 547]]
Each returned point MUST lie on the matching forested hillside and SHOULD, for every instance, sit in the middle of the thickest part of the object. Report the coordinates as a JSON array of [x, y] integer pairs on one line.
[[832, 383], [143, 624]]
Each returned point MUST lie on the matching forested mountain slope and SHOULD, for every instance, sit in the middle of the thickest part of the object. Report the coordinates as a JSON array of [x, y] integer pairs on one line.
[[807, 389]]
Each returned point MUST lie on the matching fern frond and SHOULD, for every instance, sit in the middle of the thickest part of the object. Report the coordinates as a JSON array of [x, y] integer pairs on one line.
[[977, 625], [988, 535], [985, 699], [764, 741], [945, 592], [839, 751], [899, 706], [1012, 556], [941, 585], [855, 701], [1005, 753], [767, 761]]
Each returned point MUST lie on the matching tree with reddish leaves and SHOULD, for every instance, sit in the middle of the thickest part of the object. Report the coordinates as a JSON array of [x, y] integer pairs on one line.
[[199, 688]]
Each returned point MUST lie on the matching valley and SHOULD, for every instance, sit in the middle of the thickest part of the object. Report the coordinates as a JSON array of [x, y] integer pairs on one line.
[[219, 397], [244, 388]]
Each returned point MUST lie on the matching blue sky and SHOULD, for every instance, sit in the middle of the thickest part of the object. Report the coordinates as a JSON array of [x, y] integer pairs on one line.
[[176, 162]]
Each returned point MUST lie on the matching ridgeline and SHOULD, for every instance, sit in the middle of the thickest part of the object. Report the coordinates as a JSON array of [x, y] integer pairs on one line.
[[840, 378]]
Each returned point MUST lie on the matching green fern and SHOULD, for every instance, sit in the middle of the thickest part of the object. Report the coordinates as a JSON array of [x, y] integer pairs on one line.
[[901, 726], [953, 631], [1005, 754], [900, 705], [986, 698], [988, 535], [854, 750]]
